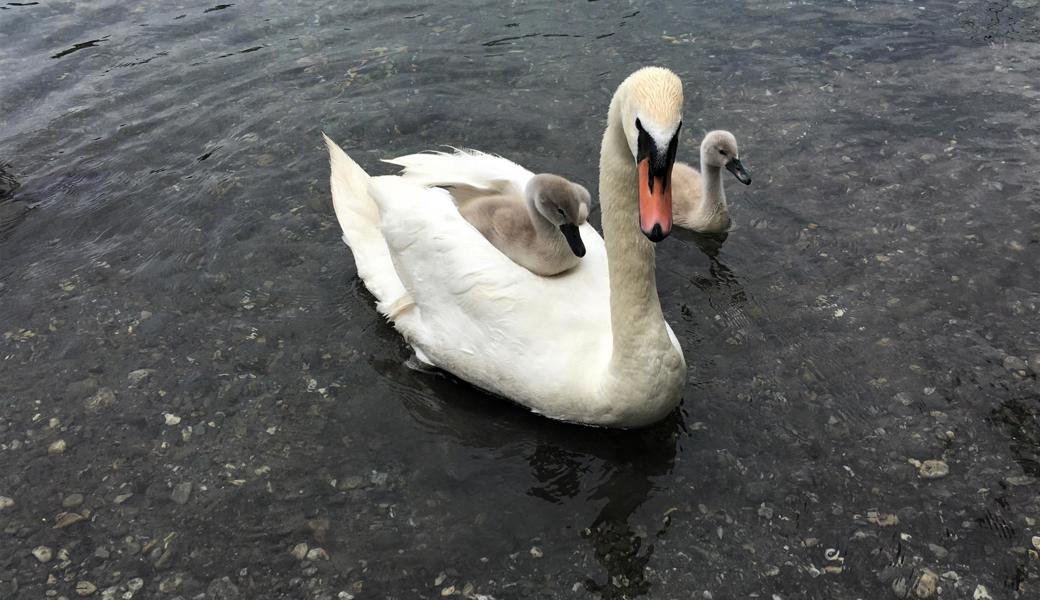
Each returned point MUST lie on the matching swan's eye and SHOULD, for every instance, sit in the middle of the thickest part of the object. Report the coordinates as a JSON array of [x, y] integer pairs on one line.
[[722, 152], [562, 214], [639, 125]]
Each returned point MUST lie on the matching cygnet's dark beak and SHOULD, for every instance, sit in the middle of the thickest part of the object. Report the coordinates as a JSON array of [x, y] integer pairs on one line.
[[737, 168], [570, 232]]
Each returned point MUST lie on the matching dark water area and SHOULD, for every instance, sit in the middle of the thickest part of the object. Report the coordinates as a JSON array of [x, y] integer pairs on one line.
[[194, 382]]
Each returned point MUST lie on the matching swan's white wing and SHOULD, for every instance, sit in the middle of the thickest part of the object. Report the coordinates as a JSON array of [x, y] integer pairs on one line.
[[470, 168], [488, 320], [358, 216]]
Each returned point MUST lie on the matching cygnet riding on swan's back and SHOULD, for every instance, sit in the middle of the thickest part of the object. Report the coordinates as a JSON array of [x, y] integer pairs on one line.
[[540, 233], [532, 219], [590, 345], [700, 200]]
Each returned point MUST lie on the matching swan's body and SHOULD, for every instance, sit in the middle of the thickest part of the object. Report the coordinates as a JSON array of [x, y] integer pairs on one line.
[[699, 199], [532, 219], [588, 346]]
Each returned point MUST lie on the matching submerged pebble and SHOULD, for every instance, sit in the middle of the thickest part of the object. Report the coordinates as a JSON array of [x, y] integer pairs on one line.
[[101, 400], [42, 554], [222, 589], [933, 469], [171, 583], [927, 582], [136, 377], [1014, 363], [181, 492]]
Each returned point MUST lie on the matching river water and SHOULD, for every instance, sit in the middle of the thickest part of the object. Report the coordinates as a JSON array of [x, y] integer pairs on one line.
[[191, 371]]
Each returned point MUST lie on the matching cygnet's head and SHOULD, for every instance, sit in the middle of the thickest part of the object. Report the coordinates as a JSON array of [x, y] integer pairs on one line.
[[719, 149], [562, 203]]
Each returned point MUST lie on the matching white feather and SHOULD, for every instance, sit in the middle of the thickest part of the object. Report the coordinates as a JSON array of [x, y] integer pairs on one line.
[[463, 168], [358, 216]]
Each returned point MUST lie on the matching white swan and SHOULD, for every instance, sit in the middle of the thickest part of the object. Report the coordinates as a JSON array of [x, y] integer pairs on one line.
[[588, 346], [699, 199]]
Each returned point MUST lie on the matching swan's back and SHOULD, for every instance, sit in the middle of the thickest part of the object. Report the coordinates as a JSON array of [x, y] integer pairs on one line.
[[464, 169]]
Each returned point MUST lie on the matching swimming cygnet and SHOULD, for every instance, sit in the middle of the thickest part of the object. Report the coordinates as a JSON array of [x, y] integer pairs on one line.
[[698, 199], [538, 231]]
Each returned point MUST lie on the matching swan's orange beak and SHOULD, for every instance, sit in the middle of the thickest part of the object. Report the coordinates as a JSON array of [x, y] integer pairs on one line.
[[655, 201], [654, 164]]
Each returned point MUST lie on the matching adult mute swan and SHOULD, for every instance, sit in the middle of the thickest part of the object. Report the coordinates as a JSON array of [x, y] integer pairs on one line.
[[700, 200], [588, 346]]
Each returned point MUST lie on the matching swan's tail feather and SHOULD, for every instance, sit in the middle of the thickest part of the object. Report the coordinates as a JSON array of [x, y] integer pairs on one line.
[[470, 168], [356, 212], [358, 216]]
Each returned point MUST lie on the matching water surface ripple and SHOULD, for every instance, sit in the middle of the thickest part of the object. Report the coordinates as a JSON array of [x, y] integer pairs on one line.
[[176, 305]]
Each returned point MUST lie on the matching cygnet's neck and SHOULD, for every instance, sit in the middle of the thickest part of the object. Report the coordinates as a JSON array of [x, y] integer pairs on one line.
[[711, 185], [549, 235]]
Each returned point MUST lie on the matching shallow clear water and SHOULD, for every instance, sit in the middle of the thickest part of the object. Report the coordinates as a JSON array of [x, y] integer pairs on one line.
[[164, 206]]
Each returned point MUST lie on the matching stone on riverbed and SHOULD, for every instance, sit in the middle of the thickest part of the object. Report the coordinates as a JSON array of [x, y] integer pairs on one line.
[[42, 554], [222, 589], [933, 469], [181, 492], [926, 584], [138, 376]]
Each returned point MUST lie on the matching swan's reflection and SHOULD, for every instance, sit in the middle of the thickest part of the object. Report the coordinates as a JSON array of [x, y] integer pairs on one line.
[[638, 457], [720, 276], [566, 462]]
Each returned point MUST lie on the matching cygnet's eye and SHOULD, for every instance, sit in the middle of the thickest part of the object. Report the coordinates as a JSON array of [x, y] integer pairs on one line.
[[562, 214], [722, 152]]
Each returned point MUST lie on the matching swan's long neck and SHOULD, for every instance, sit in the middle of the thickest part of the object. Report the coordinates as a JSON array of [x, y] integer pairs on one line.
[[636, 319], [711, 184]]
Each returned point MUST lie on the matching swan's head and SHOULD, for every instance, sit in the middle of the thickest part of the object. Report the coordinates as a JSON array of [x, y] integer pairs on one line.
[[651, 115], [562, 203], [719, 149]]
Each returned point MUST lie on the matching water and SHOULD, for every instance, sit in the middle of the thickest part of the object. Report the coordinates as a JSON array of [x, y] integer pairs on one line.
[[164, 206]]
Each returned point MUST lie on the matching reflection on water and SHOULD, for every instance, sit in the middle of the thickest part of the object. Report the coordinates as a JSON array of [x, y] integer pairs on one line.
[[8, 184], [167, 248], [11, 212], [613, 469]]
